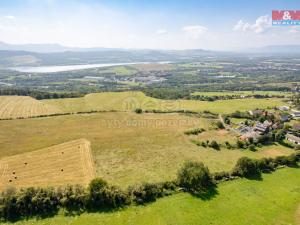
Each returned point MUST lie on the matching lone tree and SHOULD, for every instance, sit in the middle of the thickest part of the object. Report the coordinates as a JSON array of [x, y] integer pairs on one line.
[[194, 177], [246, 167]]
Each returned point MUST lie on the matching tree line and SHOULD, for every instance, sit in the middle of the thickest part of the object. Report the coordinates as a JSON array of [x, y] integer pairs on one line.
[[40, 94], [192, 177]]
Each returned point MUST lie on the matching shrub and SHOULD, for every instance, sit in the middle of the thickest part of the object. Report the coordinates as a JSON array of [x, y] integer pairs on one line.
[[240, 144], [252, 148], [217, 176], [290, 160], [194, 177], [73, 198], [228, 145], [194, 131], [227, 120], [146, 192], [214, 145], [220, 125], [101, 195], [246, 167], [266, 165], [138, 111]]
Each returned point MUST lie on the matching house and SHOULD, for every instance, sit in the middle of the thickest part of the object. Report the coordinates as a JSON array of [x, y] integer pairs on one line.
[[293, 138], [250, 134], [296, 114], [262, 128], [284, 108], [244, 129], [296, 127], [256, 112], [284, 117], [277, 126]]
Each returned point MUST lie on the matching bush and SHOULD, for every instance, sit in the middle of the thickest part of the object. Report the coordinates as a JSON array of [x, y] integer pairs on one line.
[[138, 111], [266, 165], [214, 145], [290, 160], [240, 144], [252, 148], [220, 125], [73, 198], [246, 167], [194, 131], [146, 192], [101, 195], [227, 120], [217, 176], [194, 177], [228, 145]]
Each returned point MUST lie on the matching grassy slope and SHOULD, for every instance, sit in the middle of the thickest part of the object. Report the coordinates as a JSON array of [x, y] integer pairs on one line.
[[24, 106], [240, 202], [128, 101], [127, 147]]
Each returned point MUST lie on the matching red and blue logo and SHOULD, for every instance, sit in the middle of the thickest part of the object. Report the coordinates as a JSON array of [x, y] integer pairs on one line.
[[286, 17]]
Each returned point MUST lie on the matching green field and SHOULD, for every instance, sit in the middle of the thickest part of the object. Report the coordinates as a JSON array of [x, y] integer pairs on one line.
[[272, 201], [128, 101], [244, 93], [129, 147]]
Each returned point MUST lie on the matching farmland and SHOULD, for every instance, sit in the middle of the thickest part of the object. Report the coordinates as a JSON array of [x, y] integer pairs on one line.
[[66, 163], [253, 202], [128, 101], [23, 107], [127, 147]]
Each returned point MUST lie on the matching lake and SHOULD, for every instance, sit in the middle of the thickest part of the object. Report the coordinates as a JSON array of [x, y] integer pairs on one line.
[[54, 69]]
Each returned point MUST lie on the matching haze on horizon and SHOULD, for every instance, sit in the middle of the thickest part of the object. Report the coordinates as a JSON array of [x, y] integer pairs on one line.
[[191, 24]]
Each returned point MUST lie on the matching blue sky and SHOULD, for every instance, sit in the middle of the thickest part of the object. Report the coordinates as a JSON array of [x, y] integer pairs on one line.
[[219, 25]]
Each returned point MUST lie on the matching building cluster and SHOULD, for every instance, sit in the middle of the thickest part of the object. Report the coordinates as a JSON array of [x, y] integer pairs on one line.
[[134, 79], [259, 128]]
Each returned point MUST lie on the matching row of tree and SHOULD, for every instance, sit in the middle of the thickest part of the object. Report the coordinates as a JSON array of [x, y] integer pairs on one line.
[[193, 177], [40, 94]]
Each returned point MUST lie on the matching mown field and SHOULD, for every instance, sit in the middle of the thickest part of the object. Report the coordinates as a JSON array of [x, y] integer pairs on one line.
[[272, 201], [128, 101], [24, 106], [67, 163], [127, 147]]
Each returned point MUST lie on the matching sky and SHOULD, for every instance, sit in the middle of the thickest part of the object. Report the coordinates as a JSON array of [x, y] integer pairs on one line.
[[153, 24]]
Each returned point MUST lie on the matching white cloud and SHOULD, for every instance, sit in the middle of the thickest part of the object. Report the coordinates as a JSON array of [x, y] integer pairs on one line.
[[194, 31], [262, 24], [161, 31], [10, 17], [241, 26]]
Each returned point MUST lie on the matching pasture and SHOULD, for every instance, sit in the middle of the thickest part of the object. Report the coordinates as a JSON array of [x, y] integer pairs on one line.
[[251, 202], [66, 163], [128, 148], [128, 101], [23, 106]]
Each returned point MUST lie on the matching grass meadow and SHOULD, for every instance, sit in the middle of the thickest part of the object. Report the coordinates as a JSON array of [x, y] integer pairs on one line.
[[127, 147], [128, 101]]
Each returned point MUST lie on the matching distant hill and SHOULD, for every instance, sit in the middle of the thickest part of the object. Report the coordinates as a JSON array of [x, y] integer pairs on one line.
[[55, 54], [277, 49], [39, 55]]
